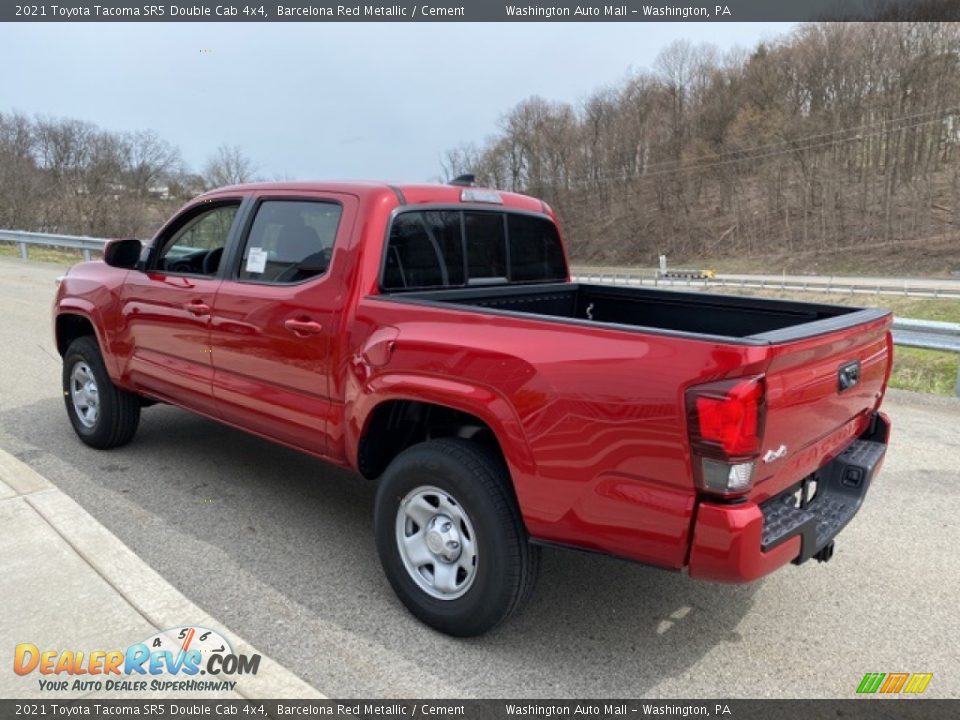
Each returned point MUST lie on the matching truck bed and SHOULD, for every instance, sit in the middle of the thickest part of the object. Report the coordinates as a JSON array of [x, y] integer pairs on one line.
[[744, 320]]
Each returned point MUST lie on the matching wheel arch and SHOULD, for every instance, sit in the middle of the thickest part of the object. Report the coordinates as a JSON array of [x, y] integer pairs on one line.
[[415, 409], [75, 320], [70, 325]]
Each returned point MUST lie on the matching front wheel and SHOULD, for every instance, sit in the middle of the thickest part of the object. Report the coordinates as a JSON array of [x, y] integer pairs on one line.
[[450, 537], [102, 415]]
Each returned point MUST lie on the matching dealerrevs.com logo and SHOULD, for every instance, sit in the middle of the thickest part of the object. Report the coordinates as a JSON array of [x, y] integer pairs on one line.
[[187, 659]]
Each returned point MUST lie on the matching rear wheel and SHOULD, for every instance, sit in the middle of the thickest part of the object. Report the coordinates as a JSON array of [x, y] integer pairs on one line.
[[450, 537], [102, 415]]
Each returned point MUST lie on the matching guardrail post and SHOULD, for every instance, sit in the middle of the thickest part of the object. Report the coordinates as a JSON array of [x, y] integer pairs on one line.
[[86, 254], [23, 250], [956, 390]]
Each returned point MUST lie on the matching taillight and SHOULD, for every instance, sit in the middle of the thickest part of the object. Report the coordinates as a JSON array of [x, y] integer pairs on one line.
[[725, 421]]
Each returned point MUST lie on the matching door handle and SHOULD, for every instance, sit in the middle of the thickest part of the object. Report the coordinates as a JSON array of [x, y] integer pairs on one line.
[[303, 327], [197, 307]]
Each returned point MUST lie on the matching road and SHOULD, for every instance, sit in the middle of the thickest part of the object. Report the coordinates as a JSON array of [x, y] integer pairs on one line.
[[279, 547]]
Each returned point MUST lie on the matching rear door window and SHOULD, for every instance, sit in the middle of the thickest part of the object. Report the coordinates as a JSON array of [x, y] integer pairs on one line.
[[290, 241]]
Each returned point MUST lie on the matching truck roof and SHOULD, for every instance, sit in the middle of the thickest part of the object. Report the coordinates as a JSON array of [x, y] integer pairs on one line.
[[408, 193]]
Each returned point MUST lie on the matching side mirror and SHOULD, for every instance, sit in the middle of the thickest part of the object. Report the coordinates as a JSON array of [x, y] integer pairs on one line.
[[122, 253]]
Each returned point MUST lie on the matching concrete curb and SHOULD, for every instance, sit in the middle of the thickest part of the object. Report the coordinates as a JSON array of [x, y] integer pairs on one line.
[[145, 590]]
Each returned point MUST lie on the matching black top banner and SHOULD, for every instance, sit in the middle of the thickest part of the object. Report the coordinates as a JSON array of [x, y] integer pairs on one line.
[[485, 11]]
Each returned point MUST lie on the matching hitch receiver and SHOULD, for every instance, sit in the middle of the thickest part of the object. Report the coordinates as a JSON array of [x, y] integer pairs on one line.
[[825, 553]]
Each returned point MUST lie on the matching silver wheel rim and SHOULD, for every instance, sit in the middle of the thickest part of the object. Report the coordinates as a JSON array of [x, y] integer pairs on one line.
[[436, 542], [84, 394]]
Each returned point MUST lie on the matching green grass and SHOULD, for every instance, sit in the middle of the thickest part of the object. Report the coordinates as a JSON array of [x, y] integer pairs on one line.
[[59, 256], [926, 371]]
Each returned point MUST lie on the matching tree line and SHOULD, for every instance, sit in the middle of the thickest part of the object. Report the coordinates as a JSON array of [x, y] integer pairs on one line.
[[834, 136], [67, 176]]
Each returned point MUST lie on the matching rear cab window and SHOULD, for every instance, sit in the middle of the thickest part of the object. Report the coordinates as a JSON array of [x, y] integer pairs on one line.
[[436, 249]]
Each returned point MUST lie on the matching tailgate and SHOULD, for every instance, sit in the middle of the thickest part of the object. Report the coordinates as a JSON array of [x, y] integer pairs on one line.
[[821, 392]]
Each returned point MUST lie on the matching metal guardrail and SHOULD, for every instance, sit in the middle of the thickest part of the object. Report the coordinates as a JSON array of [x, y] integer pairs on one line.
[[833, 285], [907, 332], [86, 245], [925, 334], [929, 335]]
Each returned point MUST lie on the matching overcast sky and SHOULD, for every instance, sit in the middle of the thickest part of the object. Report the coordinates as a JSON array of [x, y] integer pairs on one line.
[[315, 100]]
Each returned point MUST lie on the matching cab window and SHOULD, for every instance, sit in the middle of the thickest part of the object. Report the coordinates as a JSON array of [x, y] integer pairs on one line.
[[196, 247], [290, 241], [455, 248]]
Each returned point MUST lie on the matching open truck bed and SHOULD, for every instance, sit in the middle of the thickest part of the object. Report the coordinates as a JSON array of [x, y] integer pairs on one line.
[[738, 319]]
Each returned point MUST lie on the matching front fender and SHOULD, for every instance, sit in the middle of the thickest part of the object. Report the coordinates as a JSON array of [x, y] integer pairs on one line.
[[81, 307]]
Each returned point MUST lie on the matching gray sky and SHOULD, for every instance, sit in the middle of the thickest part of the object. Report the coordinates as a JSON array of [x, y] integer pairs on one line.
[[315, 100]]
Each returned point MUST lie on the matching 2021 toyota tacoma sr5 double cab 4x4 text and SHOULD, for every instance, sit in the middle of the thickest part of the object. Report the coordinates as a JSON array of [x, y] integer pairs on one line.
[[430, 338]]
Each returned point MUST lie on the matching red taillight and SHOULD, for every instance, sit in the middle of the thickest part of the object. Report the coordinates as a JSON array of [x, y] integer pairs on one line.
[[725, 421], [729, 414]]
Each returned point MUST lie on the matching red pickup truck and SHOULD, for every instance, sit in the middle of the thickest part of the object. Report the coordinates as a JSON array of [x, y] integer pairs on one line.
[[430, 337]]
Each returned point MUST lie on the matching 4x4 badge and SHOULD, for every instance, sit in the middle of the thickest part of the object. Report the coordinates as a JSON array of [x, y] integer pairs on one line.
[[772, 455]]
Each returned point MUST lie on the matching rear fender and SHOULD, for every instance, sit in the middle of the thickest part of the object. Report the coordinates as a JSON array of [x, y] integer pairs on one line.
[[476, 400]]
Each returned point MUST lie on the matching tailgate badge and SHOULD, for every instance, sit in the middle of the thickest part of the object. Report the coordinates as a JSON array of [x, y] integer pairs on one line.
[[848, 375], [772, 455]]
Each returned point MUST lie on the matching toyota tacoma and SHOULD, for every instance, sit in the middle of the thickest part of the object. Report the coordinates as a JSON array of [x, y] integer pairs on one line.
[[430, 337]]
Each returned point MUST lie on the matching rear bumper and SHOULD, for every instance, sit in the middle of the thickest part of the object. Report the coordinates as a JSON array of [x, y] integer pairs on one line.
[[738, 543]]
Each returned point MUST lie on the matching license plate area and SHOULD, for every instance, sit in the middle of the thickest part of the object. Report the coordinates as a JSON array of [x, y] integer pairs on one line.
[[818, 507]]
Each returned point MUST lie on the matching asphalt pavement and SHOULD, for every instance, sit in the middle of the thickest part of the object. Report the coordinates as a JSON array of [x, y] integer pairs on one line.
[[279, 547], [68, 582]]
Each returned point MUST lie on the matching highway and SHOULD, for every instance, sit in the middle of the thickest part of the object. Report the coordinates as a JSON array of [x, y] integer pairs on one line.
[[279, 547], [894, 283], [950, 284]]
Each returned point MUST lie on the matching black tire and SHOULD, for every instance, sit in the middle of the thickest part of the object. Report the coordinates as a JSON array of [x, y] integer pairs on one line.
[[118, 411], [506, 563]]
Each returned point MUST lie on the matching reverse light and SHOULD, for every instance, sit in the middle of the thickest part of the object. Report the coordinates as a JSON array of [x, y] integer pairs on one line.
[[726, 478], [725, 422]]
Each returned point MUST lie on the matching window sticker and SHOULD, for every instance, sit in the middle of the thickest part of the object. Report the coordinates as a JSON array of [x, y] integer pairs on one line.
[[256, 260]]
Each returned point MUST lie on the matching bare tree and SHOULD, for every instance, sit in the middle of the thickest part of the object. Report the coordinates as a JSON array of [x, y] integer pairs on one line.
[[830, 139], [149, 160], [460, 160], [19, 175], [228, 166]]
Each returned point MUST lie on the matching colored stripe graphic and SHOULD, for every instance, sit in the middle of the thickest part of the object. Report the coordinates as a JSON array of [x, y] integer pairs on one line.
[[918, 682], [870, 682], [893, 683]]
